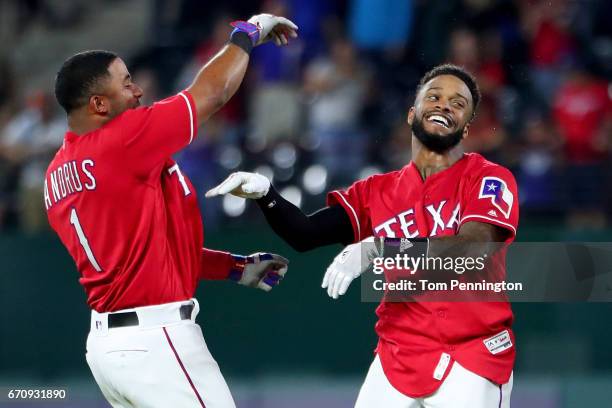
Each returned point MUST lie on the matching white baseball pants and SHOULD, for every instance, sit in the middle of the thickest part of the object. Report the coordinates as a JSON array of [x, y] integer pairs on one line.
[[460, 389], [162, 361]]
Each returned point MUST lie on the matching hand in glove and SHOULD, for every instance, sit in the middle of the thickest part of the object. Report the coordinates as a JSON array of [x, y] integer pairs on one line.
[[349, 264], [242, 184], [262, 28], [261, 270]]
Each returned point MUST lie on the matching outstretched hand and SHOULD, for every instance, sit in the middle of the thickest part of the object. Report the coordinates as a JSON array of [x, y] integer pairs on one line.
[[242, 184]]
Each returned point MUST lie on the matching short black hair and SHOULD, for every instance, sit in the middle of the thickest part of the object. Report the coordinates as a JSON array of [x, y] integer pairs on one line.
[[79, 75], [459, 72]]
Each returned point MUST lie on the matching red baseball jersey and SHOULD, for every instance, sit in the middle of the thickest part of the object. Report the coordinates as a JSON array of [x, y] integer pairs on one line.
[[126, 213], [418, 341]]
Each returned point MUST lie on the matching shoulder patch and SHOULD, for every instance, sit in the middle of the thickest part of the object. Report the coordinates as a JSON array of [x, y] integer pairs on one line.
[[497, 191]]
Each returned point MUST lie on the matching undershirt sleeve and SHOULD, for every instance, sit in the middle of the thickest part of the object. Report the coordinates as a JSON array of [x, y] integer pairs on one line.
[[329, 225]]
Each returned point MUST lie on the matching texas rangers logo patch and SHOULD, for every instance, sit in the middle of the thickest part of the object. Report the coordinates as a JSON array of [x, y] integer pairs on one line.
[[497, 191]]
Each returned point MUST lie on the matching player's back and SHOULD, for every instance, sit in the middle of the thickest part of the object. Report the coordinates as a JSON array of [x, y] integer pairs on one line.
[[133, 230]]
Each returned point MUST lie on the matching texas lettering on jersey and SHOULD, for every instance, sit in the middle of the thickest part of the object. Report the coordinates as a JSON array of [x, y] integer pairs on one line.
[[404, 223], [414, 337], [442, 219]]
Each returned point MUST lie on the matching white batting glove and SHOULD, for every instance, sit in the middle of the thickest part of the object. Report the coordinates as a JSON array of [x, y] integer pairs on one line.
[[242, 184], [279, 29], [260, 270], [349, 264], [262, 28]]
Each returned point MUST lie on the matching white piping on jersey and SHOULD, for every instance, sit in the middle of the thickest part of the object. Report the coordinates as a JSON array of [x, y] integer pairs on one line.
[[489, 219], [354, 214], [190, 115]]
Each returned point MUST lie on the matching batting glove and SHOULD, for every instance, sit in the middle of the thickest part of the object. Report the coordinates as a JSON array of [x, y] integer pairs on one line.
[[262, 28], [349, 264], [261, 270], [242, 184]]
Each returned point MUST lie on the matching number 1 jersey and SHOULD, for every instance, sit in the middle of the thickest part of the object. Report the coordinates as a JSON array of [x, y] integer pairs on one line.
[[121, 206]]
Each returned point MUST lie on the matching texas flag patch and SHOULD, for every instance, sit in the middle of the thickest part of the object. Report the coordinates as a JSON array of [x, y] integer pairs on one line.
[[497, 191]]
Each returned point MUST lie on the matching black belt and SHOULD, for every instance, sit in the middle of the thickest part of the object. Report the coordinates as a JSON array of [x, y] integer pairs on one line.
[[125, 319]]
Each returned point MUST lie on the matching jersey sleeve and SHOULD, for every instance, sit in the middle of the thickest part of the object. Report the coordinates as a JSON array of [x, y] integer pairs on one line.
[[154, 133], [492, 198], [215, 265], [354, 200]]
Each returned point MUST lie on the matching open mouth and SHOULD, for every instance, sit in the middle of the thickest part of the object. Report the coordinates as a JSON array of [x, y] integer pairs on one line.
[[440, 120]]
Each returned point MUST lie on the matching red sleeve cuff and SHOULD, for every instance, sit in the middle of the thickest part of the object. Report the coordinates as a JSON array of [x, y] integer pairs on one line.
[[193, 114], [215, 265], [335, 198]]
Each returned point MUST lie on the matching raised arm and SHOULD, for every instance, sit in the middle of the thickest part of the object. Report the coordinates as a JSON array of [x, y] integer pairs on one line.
[[220, 78]]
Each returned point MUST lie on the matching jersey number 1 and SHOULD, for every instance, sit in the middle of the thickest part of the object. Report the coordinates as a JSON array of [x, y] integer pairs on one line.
[[74, 220]]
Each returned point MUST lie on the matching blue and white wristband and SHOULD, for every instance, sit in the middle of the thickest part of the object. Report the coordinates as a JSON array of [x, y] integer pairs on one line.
[[245, 35]]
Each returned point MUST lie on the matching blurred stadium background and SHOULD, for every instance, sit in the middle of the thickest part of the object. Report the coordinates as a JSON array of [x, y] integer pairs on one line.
[[325, 111]]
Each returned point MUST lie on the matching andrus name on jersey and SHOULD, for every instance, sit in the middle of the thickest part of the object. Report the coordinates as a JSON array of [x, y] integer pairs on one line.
[[66, 180], [404, 223]]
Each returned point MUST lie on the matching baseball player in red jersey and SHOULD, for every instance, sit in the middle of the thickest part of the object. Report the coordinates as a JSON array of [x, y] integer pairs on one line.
[[130, 220], [430, 354]]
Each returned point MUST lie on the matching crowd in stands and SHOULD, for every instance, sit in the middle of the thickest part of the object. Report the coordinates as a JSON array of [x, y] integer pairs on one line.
[[331, 107]]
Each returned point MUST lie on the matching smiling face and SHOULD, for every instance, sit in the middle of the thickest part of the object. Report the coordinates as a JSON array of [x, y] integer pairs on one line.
[[441, 113]]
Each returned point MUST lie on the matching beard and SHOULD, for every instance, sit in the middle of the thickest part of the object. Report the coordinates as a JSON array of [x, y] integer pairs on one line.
[[124, 106], [436, 143]]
